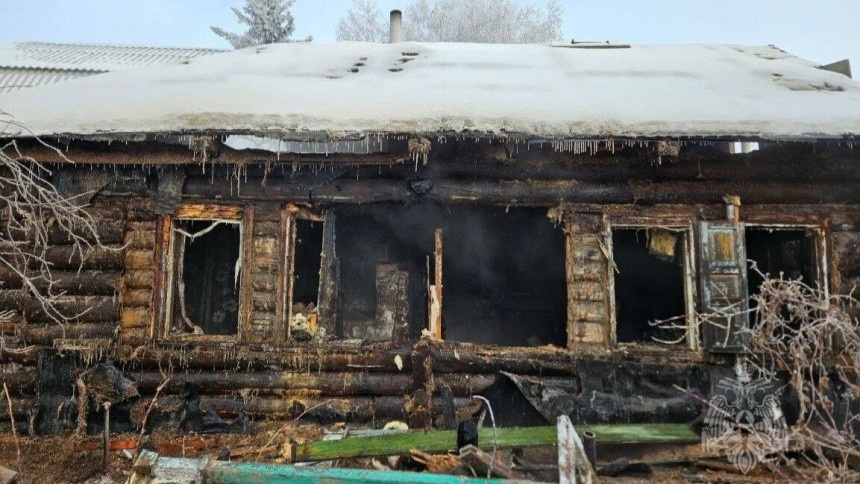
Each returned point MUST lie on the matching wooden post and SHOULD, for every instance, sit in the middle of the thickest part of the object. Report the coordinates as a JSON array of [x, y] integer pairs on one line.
[[329, 276], [419, 405], [106, 437], [435, 313], [243, 332], [573, 464]]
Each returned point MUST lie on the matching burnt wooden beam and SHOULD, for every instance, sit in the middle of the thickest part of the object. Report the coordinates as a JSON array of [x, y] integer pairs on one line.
[[330, 384], [374, 357], [537, 192], [352, 409], [153, 153], [448, 357]]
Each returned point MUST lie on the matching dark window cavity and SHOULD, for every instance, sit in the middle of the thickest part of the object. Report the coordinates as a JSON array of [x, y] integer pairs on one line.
[[649, 284], [786, 253], [503, 273], [306, 272], [205, 277]]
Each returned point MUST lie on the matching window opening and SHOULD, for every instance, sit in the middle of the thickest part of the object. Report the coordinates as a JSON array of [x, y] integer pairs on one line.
[[504, 273], [649, 285], [790, 253], [306, 278], [207, 263]]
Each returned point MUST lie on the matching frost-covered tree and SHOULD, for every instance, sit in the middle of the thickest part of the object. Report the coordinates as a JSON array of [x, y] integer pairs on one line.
[[268, 21], [487, 21], [364, 22]]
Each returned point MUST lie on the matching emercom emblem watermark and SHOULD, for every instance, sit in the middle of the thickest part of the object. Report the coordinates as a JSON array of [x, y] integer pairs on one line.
[[744, 421]]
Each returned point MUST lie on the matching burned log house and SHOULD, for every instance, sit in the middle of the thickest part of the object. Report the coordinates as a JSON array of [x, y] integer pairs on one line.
[[375, 226]]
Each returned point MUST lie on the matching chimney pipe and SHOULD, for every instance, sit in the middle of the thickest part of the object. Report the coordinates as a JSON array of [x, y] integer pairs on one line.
[[394, 32]]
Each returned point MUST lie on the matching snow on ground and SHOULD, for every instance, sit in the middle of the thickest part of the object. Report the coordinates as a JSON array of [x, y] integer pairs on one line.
[[534, 90]]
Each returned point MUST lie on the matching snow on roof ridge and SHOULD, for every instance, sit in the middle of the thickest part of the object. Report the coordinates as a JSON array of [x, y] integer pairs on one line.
[[694, 90]]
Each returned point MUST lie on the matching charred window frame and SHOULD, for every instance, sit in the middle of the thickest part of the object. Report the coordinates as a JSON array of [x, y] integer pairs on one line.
[[685, 324], [172, 230], [727, 277], [818, 246], [304, 280]]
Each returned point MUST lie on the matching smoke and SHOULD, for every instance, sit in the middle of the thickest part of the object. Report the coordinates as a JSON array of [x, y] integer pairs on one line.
[[501, 267]]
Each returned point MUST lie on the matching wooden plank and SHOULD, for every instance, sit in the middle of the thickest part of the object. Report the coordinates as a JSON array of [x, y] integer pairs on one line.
[[573, 465], [161, 276], [245, 303], [444, 440], [329, 276], [278, 284], [210, 211], [436, 289]]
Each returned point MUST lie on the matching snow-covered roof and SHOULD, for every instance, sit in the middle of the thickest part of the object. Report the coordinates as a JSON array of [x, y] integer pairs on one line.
[[305, 89], [30, 64]]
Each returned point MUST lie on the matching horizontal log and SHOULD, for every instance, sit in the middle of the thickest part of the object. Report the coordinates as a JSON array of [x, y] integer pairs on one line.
[[140, 239], [346, 191], [538, 192], [447, 357], [108, 231], [46, 334], [91, 309], [451, 357], [334, 357], [80, 308], [134, 337], [21, 380], [138, 259], [150, 152], [351, 409], [692, 166], [137, 298], [135, 318], [327, 384], [89, 282], [68, 257], [138, 279], [28, 355]]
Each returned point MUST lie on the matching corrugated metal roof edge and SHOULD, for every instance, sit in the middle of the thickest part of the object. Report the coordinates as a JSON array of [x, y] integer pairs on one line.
[[63, 69], [128, 46]]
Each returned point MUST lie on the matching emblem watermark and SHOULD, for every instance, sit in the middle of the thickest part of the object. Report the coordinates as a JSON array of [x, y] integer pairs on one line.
[[744, 421]]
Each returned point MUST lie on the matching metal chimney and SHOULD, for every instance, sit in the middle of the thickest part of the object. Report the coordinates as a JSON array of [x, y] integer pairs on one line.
[[396, 20]]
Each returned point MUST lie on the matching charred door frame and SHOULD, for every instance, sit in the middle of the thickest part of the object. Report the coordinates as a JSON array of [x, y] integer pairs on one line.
[[166, 263], [686, 228]]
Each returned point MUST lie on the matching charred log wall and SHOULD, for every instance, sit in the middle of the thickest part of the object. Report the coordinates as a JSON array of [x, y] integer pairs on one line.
[[266, 375]]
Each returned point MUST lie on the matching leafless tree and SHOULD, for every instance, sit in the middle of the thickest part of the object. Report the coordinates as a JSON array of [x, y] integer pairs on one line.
[[30, 209], [486, 21]]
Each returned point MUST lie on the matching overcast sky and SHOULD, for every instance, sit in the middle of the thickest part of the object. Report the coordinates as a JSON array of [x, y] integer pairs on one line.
[[819, 30]]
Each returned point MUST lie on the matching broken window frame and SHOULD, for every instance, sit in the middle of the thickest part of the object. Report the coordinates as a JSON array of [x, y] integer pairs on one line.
[[822, 277], [167, 263], [326, 302], [687, 232]]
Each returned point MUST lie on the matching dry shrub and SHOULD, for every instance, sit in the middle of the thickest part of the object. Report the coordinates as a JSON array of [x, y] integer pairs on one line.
[[813, 337]]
